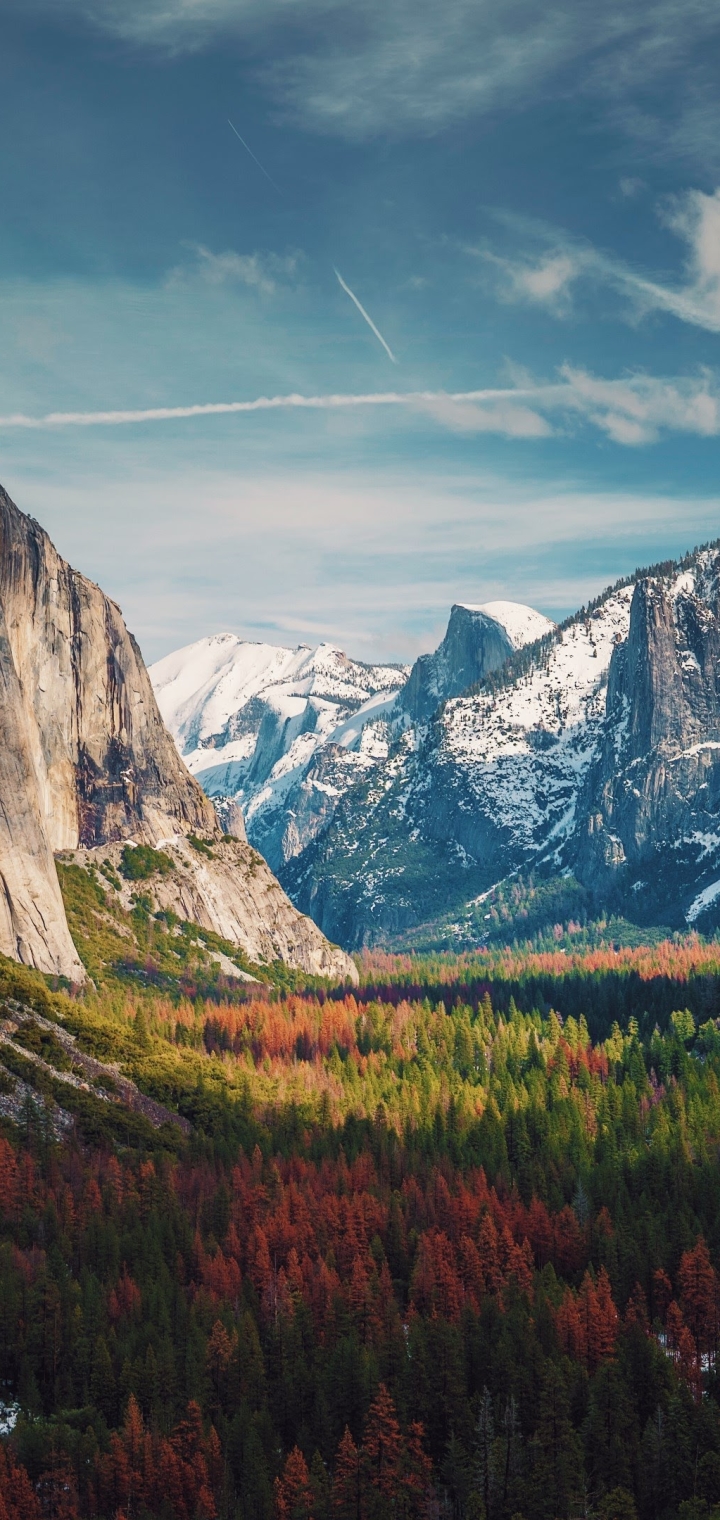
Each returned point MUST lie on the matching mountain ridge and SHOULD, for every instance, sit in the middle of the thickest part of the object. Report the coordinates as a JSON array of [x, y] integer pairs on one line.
[[431, 813]]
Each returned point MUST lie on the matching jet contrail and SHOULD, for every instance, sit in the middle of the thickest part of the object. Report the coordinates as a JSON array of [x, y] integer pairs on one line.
[[364, 314], [254, 159], [330, 402]]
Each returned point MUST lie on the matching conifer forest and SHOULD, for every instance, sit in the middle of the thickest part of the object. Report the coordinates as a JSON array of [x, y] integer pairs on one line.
[[447, 1244]]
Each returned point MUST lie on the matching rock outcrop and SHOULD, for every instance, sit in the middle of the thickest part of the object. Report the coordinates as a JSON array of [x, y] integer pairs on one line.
[[478, 641], [86, 758], [649, 816]]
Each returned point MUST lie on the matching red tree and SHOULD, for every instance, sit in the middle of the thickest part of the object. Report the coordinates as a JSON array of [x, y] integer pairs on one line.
[[293, 1494]]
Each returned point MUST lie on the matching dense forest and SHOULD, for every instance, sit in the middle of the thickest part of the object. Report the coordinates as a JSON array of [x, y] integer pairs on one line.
[[444, 1246]]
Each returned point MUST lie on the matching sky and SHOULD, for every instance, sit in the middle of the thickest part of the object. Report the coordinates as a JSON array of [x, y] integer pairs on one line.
[[319, 316]]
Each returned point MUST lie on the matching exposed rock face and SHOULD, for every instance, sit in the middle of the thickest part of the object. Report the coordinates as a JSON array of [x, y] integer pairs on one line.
[[33, 927], [85, 757], [489, 787], [650, 813], [105, 765], [297, 736], [232, 891], [592, 756], [477, 642]]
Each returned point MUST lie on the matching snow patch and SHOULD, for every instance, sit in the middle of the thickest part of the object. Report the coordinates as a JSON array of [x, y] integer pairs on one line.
[[703, 901]]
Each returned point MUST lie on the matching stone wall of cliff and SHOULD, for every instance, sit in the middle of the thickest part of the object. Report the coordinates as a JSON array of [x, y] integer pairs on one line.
[[86, 760]]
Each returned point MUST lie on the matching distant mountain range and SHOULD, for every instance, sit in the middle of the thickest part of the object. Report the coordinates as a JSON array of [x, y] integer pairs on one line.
[[520, 774]]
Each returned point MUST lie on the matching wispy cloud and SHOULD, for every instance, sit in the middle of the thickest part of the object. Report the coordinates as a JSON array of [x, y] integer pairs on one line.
[[258, 271], [382, 554], [374, 69], [548, 279], [634, 410]]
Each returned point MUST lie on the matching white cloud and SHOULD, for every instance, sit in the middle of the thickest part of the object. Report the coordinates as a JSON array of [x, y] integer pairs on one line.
[[548, 278], [506, 417], [258, 271], [373, 561], [546, 282]]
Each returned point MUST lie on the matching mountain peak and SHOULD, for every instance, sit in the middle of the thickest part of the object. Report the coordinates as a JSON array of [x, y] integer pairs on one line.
[[522, 624]]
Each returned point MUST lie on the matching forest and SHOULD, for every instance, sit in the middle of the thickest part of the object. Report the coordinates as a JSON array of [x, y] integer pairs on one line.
[[444, 1245]]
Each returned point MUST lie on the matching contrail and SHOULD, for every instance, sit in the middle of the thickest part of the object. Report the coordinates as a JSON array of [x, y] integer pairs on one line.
[[368, 319], [254, 159], [330, 402]]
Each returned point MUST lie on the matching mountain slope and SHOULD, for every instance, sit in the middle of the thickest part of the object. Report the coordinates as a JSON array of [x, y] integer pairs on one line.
[[650, 823], [250, 721], [478, 640], [85, 757]]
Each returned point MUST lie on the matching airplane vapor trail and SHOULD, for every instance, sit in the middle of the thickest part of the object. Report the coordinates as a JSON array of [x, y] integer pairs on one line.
[[254, 159], [364, 314], [330, 402]]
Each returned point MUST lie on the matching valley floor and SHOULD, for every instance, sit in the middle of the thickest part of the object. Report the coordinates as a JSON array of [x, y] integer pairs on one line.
[[444, 1244]]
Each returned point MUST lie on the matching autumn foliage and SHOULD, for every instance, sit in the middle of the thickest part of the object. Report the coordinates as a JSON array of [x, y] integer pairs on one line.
[[416, 1258]]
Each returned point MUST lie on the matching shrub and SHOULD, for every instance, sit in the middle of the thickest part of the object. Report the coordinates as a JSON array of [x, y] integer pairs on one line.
[[140, 861]]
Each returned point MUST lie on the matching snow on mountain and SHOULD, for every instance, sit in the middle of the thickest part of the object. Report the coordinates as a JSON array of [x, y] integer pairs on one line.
[[523, 625], [526, 748], [588, 753], [248, 718]]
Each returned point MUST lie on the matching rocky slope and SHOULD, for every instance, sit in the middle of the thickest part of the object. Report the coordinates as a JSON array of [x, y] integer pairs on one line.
[[478, 641], [649, 816], [226, 886], [85, 757]]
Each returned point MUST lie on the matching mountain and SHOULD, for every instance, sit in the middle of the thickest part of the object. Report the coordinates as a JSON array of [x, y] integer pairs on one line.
[[85, 760], [522, 770], [252, 720], [478, 640], [296, 736]]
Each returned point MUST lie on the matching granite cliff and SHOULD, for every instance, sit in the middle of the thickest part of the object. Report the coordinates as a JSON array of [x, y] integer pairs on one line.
[[86, 759]]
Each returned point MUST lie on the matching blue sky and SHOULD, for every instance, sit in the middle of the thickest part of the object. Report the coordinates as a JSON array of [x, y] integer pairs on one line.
[[524, 198]]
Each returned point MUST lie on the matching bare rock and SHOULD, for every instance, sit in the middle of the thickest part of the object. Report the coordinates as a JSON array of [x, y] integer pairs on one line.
[[86, 761]]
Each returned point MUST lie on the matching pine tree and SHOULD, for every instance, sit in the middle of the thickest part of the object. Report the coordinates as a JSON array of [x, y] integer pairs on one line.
[[382, 1446], [293, 1492], [347, 1485]]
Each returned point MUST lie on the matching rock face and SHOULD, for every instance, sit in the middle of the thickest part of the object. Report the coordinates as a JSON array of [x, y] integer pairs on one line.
[[477, 642], [86, 758], [105, 764], [590, 759], [348, 813], [650, 813]]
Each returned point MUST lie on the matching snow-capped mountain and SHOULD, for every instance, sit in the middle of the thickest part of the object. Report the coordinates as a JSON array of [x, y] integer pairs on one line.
[[478, 641], [284, 734], [248, 718], [585, 756]]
